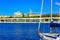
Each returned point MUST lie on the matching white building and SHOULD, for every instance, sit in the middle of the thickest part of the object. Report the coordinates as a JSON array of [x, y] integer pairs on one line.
[[18, 14]]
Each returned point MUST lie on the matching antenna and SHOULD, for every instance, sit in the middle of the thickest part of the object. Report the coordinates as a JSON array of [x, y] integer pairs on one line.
[[41, 13]]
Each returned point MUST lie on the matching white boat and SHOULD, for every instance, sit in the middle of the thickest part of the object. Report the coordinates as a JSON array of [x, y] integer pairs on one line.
[[49, 36]]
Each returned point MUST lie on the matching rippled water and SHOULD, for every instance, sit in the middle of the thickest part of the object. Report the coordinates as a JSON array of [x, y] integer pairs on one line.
[[21, 31]]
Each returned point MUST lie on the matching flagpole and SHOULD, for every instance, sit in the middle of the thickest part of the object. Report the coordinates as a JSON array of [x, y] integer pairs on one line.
[[40, 14]]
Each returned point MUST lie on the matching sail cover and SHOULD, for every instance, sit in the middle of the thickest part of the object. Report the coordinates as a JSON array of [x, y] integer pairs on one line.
[[55, 24]]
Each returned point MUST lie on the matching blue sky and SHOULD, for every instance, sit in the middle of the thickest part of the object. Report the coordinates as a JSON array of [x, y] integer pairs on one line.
[[8, 7]]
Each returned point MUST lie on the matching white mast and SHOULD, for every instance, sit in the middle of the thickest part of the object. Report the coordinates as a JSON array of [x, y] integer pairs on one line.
[[51, 9], [51, 14], [41, 13]]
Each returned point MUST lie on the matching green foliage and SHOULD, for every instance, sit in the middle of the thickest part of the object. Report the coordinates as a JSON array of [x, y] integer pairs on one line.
[[53, 15]]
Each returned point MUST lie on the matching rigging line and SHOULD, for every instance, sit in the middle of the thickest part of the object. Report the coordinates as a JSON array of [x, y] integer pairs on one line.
[[40, 14]]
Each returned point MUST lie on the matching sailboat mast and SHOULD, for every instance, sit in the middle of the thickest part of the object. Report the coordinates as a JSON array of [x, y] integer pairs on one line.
[[41, 13], [51, 9], [51, 14]]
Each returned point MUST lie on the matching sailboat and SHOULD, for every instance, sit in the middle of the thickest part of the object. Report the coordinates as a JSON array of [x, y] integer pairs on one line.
[[47, 36]]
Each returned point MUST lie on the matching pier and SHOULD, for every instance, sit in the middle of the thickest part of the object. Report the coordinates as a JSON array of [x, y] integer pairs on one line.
[[28, 20], [25, 20]]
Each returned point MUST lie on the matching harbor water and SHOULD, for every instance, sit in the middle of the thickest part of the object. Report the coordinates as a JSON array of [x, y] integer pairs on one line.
[[22, 31]]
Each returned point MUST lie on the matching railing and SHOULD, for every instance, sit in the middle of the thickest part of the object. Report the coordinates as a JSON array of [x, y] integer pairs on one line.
[[19, 20], [27, 20]]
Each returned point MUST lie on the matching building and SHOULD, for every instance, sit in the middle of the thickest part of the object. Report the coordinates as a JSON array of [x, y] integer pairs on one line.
[[18, 14], [5, 16], [26, 15], [33, 15]]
